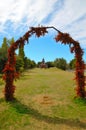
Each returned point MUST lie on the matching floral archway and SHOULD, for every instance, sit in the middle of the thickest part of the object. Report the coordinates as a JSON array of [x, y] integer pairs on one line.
[[10, 73]]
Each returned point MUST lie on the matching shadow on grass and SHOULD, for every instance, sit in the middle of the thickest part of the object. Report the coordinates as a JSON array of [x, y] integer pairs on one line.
[[80, 101], [2, 100], [23, 109]]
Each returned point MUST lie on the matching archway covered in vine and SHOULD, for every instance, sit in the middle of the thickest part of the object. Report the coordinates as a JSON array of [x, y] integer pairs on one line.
[[10, 73]]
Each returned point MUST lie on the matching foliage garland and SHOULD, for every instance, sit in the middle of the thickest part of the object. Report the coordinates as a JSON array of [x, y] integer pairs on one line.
[[10, 73]]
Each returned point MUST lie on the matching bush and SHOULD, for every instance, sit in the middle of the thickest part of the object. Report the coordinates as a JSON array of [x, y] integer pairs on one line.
[[50, 64], [72, 64], [29, 64], [60, 63]]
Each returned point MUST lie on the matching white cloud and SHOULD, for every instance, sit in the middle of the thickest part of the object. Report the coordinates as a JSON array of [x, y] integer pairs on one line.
[[72, 19], [66, 15], [16, 10]]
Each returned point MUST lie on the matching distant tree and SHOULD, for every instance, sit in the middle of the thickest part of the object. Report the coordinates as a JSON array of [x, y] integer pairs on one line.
[[4, 52], [72, 64], [4, 47], [29, 64], [33, 64], [21, 52], [50, 64], [11, 41], [3, 59], [38, 64], [60, 63], [22, 55], [6, 43], [19, 64], [26, 63]]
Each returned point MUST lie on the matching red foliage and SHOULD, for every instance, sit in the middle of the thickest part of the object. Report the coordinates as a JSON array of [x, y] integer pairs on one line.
[[64, 38], [80, 66], [39, 31]]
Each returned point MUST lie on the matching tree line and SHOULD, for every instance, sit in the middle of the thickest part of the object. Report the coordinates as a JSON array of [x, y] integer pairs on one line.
[[61, 63], [24, 63]]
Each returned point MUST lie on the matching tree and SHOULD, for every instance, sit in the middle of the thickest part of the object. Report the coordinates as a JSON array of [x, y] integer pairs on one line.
[[11, 41], [50, 64], [33, 64], [7, 43], [4, 52], [38, 64], [3, 59], [29, 64], [61, 63], [22, 55], [72, 64], [4, 47], [21, 52], [19, 64]]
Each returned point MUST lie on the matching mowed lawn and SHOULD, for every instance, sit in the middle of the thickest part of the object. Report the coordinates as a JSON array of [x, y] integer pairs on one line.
[[44, 101]]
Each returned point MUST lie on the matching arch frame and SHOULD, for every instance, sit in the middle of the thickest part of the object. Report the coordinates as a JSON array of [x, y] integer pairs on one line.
[[9, 70]]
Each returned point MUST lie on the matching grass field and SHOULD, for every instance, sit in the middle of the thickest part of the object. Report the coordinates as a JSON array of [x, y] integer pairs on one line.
[[44, 101]]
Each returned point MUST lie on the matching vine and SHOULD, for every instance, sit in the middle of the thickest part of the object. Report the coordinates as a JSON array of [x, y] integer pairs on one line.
[[10, 73]]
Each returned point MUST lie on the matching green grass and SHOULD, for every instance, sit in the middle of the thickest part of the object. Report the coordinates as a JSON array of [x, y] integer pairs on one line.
[[44, 101]]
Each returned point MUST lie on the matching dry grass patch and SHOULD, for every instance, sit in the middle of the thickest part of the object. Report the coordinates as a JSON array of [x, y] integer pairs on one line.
[[47, 100], [44, 100]]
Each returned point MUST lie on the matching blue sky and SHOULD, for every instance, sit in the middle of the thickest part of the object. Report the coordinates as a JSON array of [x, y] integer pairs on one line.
[[16, 16]]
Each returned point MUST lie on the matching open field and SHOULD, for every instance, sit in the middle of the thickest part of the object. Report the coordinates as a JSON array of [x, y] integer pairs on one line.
[[44, 101]]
